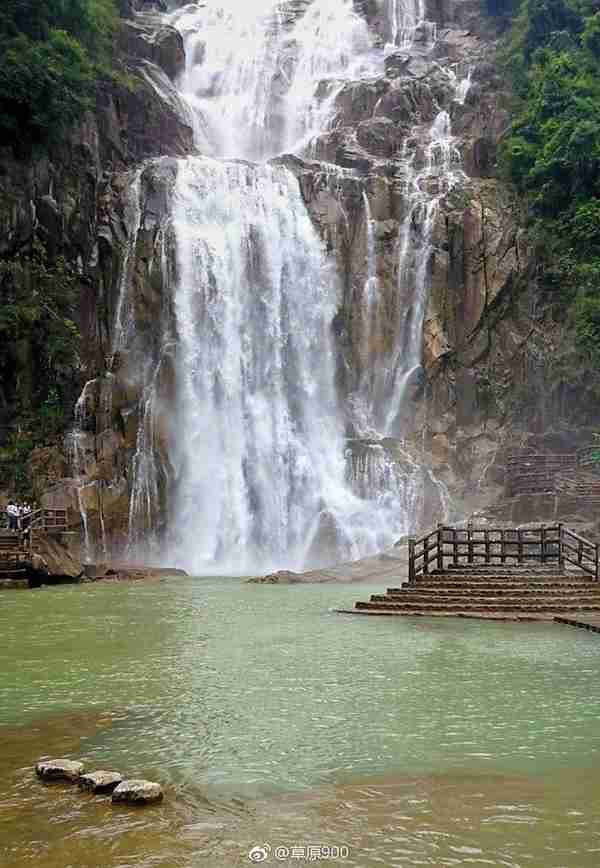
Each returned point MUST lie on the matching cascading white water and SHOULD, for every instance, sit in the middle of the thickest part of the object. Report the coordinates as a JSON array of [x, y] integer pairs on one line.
[[332, 45], [425, 190], [407, 24], [371, 285], [253, 70], [148, 470], [464, 86], [260, 457], [123, 323], [79, 446], [262, 477]]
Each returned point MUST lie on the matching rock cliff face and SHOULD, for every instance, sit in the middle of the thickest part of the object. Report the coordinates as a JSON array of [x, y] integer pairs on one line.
[[75, 201], [407, 164]]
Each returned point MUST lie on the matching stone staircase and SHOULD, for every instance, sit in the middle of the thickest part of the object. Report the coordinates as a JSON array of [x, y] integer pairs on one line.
[[14, 560], [502, 593]]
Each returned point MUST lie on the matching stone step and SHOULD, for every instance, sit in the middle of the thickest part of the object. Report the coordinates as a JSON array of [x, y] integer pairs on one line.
[[514, 601], [466, 575], [481, 587], [544, 606], [484, 616], [495, 590]]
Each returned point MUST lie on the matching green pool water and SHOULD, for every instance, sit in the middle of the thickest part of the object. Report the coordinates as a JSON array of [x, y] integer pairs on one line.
[[273, 721]]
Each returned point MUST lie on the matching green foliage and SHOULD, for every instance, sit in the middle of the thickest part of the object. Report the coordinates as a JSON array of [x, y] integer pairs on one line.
[[586, 318], [51, 54], [37, 329], [13, 463], [39, 356], [553, 152]]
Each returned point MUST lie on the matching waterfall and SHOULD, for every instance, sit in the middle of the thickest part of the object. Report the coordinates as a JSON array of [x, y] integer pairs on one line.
[[461, 86], [252, 73], [149, 471], [260, 456], [371, 283], [425, 189], [123, 323], [408, 25], [79, 447], [393, 485], [244, 465], [332, 46], [368, 307]]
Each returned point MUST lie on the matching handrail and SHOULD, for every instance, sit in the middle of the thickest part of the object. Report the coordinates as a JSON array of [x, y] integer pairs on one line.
[[544, 543]]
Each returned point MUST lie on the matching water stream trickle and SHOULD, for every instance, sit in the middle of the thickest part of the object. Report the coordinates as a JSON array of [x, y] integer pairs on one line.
[[123, 323], [425, 190], [77, 446]]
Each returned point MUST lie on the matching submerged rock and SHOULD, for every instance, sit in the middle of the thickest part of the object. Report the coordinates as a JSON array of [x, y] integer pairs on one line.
[[100, 782], [59, 770], [137, 792]]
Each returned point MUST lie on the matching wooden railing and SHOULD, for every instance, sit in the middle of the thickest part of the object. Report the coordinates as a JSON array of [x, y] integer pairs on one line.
[[47, 520], [546, 544]]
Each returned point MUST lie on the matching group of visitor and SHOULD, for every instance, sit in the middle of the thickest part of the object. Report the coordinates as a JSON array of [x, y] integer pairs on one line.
[[19, 515]]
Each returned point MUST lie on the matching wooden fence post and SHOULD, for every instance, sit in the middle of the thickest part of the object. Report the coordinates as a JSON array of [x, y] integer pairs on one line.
[[440, 547], [470, 542], [597, 550], [502, 546], [486, 537], [426, 555], [561, 562], [543, 544], [411, 560], [454, 547], [520, 545]]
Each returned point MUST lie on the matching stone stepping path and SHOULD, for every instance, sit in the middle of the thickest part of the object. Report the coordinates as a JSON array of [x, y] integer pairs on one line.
[[133, 791]]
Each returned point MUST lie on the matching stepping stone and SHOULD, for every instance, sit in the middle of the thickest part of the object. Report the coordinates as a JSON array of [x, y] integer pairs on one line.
[[137, 792], [100, 782], [59, 770]]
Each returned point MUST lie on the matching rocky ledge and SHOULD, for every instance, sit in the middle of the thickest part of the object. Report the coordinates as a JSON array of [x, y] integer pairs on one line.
[[391, 564]]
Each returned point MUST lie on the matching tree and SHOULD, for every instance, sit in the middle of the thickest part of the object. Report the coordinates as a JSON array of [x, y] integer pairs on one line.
[[51, 55]]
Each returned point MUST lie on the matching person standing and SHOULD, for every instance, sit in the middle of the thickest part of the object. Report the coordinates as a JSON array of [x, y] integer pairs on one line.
[[12, 510]]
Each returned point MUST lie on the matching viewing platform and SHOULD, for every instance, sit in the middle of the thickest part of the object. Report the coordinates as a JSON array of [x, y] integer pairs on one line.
[[516, 574], [18, 547]]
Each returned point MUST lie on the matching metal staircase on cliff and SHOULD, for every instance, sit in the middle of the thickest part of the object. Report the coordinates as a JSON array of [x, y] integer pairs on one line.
[[500, 573]]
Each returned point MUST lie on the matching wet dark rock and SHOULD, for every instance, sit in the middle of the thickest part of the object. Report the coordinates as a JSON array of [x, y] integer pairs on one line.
[[137, 792], [162, 46], [100, 781], [379, 136], [59, 770]]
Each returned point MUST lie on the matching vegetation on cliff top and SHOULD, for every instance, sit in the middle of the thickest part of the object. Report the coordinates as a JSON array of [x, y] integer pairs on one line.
[[51, 55], [553, 152]]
